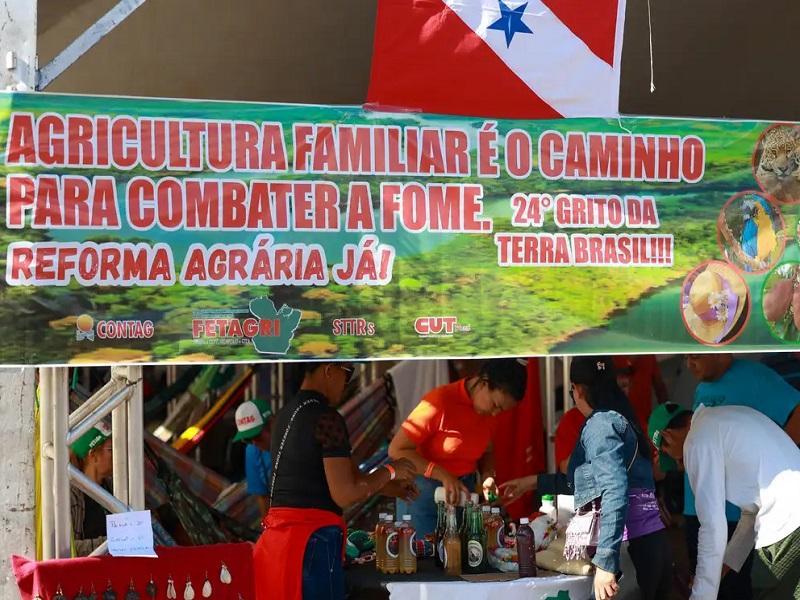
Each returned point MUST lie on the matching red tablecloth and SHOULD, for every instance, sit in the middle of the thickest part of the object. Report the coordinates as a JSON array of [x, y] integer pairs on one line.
[[180, 563]]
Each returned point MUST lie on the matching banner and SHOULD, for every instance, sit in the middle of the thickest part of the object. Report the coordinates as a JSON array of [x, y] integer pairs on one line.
[[172, 230]]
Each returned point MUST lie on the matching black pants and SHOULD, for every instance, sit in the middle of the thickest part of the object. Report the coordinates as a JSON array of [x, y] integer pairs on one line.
[[735, 586], [652, 557]]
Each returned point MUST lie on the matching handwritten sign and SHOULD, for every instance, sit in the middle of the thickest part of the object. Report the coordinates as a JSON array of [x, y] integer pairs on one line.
[[130, 534]]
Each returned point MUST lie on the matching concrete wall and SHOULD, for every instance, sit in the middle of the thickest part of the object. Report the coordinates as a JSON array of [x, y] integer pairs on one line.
[[17, 394], [732, 58]]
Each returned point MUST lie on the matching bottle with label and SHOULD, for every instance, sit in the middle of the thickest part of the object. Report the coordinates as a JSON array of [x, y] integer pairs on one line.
[[494, 530], [486, 514], [452, 545], [476, 545], [391, 562], [380, 544], [408, 554], [438, 535], [464, 531], [526, 549]]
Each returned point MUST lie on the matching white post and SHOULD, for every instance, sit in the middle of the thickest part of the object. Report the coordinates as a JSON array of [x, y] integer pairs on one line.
[[46, 399], [567, 363], [119, 437], [18, 44], [17, 522], [61, 496], [136, 441]]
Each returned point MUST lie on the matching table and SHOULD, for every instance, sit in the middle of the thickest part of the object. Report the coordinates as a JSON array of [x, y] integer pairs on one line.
[[429, 583]]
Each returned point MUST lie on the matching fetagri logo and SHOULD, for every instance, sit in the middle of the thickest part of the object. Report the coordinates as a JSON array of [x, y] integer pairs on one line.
[[439, 326], [86, 328], [269, 329]]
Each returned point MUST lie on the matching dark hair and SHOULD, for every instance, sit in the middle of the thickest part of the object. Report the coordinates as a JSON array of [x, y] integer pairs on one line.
[[509, 375], [598, 375]]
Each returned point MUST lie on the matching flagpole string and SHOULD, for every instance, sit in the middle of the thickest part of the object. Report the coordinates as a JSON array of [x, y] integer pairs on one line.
[[650, 25]]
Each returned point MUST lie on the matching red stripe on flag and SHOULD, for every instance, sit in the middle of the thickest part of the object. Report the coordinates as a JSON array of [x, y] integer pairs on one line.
[[594, 22], [427, 59]]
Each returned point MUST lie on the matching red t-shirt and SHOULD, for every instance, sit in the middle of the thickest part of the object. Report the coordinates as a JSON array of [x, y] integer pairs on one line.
[[568, 433], [448, 431], [640, 393]]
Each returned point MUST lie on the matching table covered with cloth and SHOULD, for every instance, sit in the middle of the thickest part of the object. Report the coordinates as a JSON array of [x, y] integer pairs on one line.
[[430, 583], [227, 570]]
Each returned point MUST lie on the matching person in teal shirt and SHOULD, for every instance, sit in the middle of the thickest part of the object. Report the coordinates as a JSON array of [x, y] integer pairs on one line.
[[725, 381]]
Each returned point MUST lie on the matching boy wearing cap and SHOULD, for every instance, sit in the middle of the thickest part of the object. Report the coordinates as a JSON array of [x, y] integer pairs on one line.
[[92, 452], [253, 424], [737, 454]]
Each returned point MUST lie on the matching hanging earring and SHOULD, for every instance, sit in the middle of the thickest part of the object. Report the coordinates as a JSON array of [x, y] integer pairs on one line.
[[207, 587], [132, 594], [59, 594], [225, 575], [80, 595], [188, 591], [37, 597], [109, 594], [151, 588], [171, 594]]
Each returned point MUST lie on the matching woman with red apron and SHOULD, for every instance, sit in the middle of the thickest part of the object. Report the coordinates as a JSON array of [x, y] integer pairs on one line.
[[299, 555]]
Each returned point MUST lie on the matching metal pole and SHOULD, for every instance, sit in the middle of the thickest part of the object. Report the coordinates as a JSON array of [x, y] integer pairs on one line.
[[550, 412], [97, 415], [136, 441], [119, 442], [98, 398], [567, 363], [98, 493], [61, 495], [45, 462]]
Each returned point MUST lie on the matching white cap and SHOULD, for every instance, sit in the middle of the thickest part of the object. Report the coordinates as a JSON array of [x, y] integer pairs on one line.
[[440, 495], [381, 516], [474, 498], [495, 510], [406, 517], [486, 508], [524, 521], [388, 518]]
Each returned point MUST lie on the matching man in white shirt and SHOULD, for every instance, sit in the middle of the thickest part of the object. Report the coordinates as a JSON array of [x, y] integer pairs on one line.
[[736, 454]]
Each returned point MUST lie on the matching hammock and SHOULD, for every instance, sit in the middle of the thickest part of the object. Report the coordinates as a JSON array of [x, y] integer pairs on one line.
[[157, 402], [190, 438], [369, 416]]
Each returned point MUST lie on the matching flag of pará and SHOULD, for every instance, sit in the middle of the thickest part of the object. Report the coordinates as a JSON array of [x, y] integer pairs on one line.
[[498, 58]]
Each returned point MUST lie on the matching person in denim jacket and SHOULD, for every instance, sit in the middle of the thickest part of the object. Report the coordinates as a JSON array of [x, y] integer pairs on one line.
[[611, 465]]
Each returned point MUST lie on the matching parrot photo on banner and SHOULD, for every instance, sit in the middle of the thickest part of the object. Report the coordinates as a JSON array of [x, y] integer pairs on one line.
[[758, 235]]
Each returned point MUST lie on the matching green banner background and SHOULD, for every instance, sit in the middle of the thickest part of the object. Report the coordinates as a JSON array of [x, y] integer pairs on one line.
[[500, 311]]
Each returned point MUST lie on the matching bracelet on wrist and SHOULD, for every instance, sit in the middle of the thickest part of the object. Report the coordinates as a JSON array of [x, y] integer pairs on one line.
[[429, 470], [392, 472]]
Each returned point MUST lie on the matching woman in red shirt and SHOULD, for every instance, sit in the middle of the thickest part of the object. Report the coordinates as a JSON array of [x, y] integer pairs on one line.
[[448, 436]]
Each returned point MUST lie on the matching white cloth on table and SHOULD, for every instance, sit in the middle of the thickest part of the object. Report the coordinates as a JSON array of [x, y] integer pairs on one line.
[[578, 588]]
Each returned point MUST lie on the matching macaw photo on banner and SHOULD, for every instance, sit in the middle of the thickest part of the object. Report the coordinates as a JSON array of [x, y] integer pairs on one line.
[[178, 230]]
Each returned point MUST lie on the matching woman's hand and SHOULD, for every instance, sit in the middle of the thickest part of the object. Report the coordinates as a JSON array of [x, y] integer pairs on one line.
[[514, 489], [605, 585], [490, 489], [404, 469], [405, 490], [453, 487]]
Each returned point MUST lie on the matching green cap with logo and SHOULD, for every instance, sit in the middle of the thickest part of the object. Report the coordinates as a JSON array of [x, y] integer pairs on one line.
[[251, 416], [660, 419], [90, 440]]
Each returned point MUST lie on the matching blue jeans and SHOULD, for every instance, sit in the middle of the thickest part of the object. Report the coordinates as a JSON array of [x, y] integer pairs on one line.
[[323, 574], [423, 510]]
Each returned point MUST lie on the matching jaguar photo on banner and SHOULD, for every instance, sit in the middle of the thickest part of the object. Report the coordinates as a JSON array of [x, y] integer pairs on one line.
[[157, 230]]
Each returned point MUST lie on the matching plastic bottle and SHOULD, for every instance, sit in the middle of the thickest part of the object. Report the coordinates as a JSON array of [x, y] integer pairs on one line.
[[438, 535], [526, 549], [495, 530], [391, 560], [486, 516], [476, 546], [452, 545], [380, 544], [548, 507], [407, 539]]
